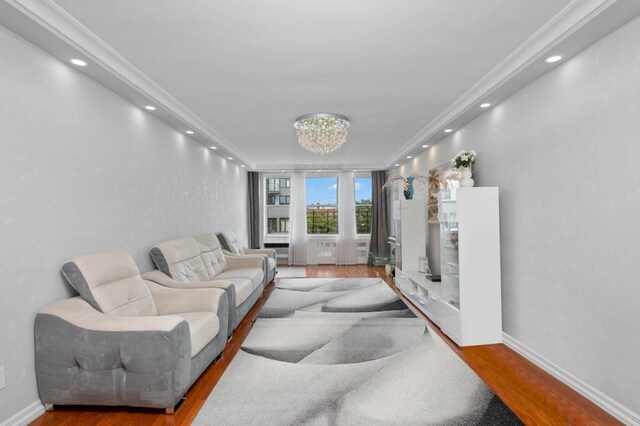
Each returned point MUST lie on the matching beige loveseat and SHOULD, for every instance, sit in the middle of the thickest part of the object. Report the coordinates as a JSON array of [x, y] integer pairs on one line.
[[125, 341], [229, 242], [199, 262]]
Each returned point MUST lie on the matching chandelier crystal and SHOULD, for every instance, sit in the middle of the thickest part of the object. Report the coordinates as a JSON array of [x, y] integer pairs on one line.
[[322, 133]]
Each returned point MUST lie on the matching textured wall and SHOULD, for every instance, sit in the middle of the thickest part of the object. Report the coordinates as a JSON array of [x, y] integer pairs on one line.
[[565, 152], [82, 170]]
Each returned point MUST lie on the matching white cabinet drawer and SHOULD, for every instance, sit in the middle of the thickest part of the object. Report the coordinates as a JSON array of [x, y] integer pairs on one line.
[[432, 308], [450, 321]]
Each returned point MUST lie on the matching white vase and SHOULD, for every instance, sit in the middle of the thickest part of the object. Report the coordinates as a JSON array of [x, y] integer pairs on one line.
[[466, 181]]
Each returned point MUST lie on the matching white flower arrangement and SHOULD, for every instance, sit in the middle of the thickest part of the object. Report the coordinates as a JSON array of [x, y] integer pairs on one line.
[[464, 159]]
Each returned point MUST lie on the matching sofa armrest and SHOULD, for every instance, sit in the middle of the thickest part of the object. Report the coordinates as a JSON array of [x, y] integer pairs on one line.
[[86, 357], [245, 261], [158, 277], [269, 252], [171, 301]]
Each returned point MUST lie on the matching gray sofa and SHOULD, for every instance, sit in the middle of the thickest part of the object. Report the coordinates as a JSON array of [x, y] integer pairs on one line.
[[230, 243], [125, 340], [199, 262]]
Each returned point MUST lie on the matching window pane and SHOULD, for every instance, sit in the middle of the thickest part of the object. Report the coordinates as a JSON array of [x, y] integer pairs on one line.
[[363, 204], [322, 205], [278, 199]]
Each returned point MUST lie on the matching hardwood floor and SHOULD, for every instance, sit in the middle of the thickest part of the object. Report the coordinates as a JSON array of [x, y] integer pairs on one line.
[[534, 396]]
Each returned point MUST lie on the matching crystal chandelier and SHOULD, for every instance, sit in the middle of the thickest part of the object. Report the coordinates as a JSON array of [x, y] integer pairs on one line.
[[322, 133]]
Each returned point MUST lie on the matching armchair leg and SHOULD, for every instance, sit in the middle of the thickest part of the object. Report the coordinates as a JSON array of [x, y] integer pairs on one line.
[[172, 410], [48, 407], [218, 358]]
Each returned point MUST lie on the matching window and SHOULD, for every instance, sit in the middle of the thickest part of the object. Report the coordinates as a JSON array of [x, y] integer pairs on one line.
[[363, 204], [273, 185], [284, 200], [278, 198], [272, 225], [322, 205]]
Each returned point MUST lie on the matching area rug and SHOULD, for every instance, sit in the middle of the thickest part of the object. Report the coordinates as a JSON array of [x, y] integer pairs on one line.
[[347, 352]]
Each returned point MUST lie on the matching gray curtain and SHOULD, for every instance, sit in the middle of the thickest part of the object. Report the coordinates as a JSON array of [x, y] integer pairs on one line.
[[379, 215], [254, 209]]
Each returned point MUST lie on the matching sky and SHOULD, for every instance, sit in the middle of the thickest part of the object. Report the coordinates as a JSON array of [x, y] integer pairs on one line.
[[324, 190]]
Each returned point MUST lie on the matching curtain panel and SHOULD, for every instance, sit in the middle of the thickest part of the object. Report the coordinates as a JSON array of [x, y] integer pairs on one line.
[[347, 253], [298, 221], [379, 245], [254, 231]]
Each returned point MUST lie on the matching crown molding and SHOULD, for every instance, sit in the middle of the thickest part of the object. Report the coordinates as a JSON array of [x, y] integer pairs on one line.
[[117, 73], [578, 25], [273, 168]]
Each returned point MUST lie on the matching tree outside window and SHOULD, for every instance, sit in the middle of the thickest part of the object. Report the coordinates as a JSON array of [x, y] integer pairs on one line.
[[322, 205]]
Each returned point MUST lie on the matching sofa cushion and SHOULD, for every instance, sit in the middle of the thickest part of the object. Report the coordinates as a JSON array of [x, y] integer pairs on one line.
[[230, 242], [243, 289], [211, 255], [180, 259], [203, 327], [255, 275], [111, 283]]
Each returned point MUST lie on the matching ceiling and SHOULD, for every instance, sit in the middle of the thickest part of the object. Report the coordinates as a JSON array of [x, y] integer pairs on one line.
[[248, 68]]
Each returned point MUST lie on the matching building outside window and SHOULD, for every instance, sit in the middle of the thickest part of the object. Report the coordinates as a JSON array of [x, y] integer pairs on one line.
[[322, 205], [278, 198], [363, 204]]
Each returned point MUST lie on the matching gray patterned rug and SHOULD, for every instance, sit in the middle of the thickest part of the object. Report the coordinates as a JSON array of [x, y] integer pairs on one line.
[[347, 351]]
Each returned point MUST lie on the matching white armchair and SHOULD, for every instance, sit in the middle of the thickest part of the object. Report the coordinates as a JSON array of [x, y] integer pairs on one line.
[[125, 341]]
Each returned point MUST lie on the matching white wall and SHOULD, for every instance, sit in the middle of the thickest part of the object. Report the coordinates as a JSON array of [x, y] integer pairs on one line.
[[82, 170], [565, 152]]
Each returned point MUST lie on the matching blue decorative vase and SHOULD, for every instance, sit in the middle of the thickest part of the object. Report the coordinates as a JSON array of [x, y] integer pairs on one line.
[[408, 192]]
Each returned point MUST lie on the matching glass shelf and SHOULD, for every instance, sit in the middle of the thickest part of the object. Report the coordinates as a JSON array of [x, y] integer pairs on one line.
[[450, 287]]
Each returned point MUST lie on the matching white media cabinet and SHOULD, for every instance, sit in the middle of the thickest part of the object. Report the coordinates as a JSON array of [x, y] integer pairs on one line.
[[466, 304]]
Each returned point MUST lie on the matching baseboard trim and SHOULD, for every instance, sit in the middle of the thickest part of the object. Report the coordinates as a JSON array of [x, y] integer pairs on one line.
[[26, 416], [611, 406]]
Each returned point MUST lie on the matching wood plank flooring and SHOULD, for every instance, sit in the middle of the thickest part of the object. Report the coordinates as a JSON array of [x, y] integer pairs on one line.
[[534, 396]]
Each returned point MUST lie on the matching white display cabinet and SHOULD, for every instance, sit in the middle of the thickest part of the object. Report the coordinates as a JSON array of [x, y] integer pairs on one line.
[[466, 304]]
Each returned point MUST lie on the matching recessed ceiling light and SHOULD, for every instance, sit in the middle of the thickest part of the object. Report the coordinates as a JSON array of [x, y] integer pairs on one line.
[[552, 59], [213, 147], [78, 62], [241, 165], [189, 132], [229, 158], [150, 108], [425, 146], [485, 105], [408, 156], [281, 171], [355, 170], [448, 130], [396, 165]]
